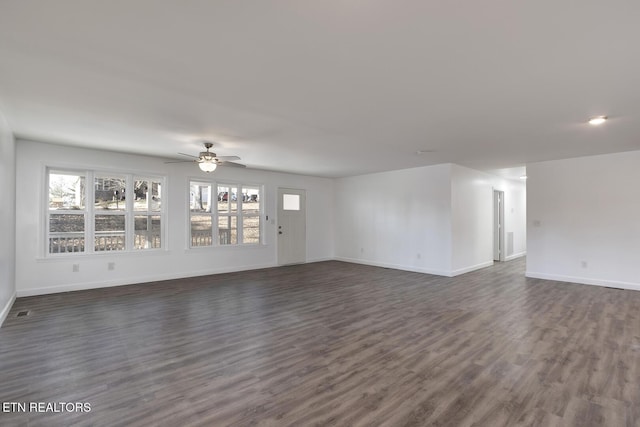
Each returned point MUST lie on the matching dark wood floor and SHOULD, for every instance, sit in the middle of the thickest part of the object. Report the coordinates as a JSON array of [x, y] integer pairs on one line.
[[329, 344]]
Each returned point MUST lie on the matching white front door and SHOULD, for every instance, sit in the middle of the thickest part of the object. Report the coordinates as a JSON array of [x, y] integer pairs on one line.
[[292, 226]]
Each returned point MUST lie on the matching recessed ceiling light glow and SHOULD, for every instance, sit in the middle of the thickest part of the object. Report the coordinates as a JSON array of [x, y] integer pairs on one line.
[[595, 121]]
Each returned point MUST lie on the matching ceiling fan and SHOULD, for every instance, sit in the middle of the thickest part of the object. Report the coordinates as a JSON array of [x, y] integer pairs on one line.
[[209, 161]]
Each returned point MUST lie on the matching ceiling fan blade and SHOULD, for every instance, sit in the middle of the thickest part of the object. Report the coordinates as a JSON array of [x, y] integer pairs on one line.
[[189, 155], [235, 165], [225, 158], [181, 161]]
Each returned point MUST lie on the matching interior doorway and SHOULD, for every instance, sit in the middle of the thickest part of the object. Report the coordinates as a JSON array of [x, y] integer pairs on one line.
[[292, 226], [498, 225]]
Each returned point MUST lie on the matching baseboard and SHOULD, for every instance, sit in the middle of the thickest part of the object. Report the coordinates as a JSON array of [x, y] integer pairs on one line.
[[471, 268], [584, 280], [7, 308], [417, 269], [394, 266], [133, 281], [514, 256], [323, 259]]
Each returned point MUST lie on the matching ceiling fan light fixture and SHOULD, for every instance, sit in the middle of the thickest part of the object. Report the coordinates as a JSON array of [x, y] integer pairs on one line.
[[207, 165], [208, 161]]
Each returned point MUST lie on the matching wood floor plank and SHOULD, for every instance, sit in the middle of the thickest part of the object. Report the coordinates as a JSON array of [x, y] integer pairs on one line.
[[332, 344]]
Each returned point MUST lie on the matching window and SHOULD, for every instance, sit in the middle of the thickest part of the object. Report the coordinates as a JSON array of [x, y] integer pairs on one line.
[[227, 215], [147, 207], [201, 217], [113, 222], [250, 215], [224, 214], [67, 212], [109, 208], [291, 202]]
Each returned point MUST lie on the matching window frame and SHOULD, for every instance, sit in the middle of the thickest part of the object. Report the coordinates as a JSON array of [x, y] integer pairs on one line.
[[149, 212], [46, 246], [215, 214], [242, 214], [91, 213], [190, 214]]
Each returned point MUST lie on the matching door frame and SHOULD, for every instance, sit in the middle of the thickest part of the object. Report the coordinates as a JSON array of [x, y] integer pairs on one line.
[[498, 225]]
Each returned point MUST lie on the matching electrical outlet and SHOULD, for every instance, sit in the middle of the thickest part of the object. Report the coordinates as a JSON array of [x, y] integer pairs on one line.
[[361, 250], [76, 268], [584, 264], [419, 256], [111, 266]]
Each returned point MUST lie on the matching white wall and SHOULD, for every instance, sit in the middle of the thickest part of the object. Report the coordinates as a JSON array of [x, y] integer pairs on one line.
[[7, 219], [472, 218], [399, 219], [515, 216], [434, 219], [36, 274], [585, 210]]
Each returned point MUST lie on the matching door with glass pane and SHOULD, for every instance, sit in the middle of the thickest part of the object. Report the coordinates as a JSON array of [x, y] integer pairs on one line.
[[292, 228]]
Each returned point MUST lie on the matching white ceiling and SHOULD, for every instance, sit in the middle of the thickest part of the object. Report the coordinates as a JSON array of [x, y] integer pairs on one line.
[[327, 88]]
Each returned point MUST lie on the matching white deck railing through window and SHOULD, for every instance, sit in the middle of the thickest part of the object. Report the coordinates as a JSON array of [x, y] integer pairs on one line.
[[104, 242]]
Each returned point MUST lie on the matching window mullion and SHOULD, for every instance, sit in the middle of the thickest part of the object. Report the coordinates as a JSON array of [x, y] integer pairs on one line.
[[128, 212], [215, 215], [89, 214], [47, 225], [239, 225], [261, 216]]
